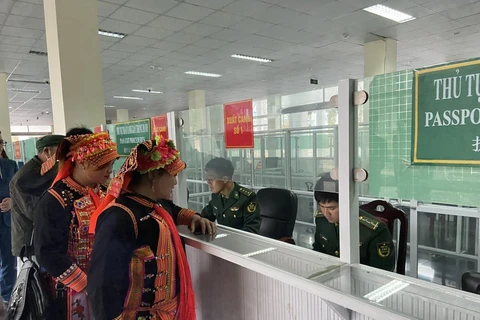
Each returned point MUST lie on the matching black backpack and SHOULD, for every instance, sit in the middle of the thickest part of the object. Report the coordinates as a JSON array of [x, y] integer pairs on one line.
[[29, 298]]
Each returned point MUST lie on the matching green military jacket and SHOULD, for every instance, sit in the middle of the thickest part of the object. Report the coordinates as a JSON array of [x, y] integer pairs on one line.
[[376, 245], [240, 210]]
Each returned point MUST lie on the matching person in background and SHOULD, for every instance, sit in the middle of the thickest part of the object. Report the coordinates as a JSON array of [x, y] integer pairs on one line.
[[376, 245], [8, 271], [231, 205], [62, 242], [139, 268], [26, 188]]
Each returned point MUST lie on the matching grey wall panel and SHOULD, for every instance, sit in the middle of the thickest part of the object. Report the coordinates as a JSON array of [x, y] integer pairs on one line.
[[226, 291]]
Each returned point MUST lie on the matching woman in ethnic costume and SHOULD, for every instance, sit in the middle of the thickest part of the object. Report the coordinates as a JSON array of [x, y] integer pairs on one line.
[[139, 268], [61, 221]]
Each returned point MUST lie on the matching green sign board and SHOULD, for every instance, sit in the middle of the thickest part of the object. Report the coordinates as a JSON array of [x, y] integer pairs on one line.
[[129, 134], [446, 114]]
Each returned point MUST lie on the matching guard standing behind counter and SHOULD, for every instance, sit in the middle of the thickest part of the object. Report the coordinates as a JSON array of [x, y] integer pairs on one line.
[[376, 245], [231, 205]]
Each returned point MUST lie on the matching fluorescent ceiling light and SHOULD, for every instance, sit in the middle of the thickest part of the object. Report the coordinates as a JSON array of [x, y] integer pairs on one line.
[[204, 74], [386, 291], [111, 34], [109, 106], [23, 90], [389, 13], [128, 98], [258, 59], [146, 91]]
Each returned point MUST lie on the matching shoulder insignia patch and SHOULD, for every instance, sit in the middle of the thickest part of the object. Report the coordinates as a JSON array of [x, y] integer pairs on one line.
[[383, 249], [252, 207], [318, 214], [245, 191], [369, 223]]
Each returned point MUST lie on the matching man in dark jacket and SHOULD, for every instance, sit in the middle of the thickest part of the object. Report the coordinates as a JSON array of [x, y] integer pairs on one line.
[[26, 187], [376, 244], [231, 205], [8, 273]]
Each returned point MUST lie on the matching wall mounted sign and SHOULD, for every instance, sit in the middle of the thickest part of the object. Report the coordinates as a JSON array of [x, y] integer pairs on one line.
[[129, 134], [446, 114], [160, 126], [238, 124]]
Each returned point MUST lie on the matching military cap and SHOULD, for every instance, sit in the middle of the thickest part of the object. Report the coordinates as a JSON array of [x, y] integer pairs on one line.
[[48, 141]]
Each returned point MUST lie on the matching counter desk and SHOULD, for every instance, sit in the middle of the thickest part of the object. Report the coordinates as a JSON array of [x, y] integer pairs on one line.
[[242, 276]]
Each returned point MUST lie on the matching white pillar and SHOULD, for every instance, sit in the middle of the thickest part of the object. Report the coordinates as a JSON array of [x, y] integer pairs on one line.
[[380, 57], [122, 115], [196, 105], [4, 111], [74, 63]]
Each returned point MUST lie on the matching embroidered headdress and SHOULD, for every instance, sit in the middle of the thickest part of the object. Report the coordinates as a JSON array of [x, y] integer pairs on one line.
[[95, 148], [148, 156]]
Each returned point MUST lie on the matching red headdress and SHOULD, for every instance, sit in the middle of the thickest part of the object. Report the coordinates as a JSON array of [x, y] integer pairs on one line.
[[96, 148], [148, 156]]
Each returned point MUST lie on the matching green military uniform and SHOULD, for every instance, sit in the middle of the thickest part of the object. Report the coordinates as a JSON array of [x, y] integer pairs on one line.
[[239, 210], [376, 246]]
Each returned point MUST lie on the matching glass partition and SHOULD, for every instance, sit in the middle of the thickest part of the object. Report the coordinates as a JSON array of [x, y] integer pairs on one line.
[[292, 150], [440, 201]]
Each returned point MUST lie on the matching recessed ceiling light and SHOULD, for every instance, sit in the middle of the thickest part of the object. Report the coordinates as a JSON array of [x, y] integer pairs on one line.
[[16, 101], [204, 74], [146, 91], [109, 106], [128, 98], [251, 58], [264, 80], [47, 112], [23, 90], [111, 34], [389, 13], [10, 107]]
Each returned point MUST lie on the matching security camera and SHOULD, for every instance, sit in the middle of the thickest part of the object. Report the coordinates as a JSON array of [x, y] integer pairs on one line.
[[150, 90], [47, 81]]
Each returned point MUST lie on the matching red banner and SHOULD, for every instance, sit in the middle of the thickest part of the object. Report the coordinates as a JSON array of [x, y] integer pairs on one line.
[[97, 129], [160, 126], [18, 153], [238, 120]]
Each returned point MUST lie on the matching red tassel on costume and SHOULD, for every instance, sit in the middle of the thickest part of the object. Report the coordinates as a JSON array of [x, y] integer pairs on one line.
[[186, 305]]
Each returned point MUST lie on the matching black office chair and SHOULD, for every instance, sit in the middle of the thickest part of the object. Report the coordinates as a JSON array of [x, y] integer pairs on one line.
[[388, 214], [278, 208], [471, 282]]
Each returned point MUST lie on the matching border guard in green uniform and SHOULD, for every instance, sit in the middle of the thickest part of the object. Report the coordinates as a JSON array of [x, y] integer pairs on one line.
[[231, 205], [376, 245]]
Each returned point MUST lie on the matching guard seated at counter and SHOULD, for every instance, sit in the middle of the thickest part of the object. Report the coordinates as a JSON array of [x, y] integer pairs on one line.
[[231, 205], [376, 245]]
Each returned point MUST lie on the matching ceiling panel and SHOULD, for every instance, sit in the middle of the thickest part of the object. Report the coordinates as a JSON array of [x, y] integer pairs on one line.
[[138, 41], [21, 32], [247, 8], [189, 12], [212, 4], [222, 19], [118, 26], [105, 9], [26, 9], [153, 6], [133, 15], [170, 23], [201, 29]]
